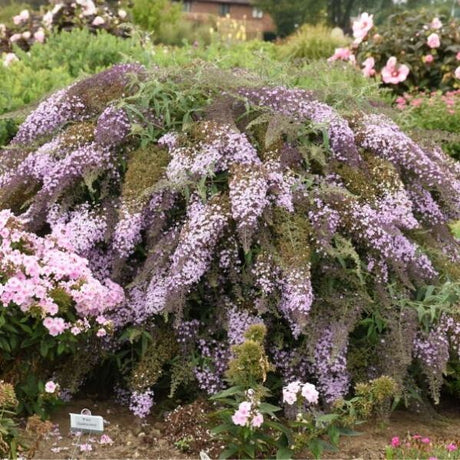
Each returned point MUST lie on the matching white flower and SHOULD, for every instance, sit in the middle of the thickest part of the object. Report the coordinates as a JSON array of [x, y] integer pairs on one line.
[[50, 387]]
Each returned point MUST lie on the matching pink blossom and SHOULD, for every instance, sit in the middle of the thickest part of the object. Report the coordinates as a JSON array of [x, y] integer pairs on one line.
[[86, 447], [393, 73], [50, 387], [55, 326], [310, 393], [457, 73], [23, 16], [433, 41], [436, 24], [101, 332], [342, 54], [106, 439], [432, 458], [395, 442], [15, 38], [239, 418], [289, 397], [39, 36], [244, 408], [428, 59], [416, 436], [451, 447], [257, 420], [425, 440], [98, 21], [458, 56], [26, 35], [9, 59], [368, 67], [362, 26]]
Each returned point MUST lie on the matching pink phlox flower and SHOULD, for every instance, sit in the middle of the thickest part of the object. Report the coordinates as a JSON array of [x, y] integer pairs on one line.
[[393, 73], [257, 420], [244, 408], [55, 326], [395, 442], [239, 418], [368, 67], [310, 393], [50, 387], [106, 439], [362, 26], [436, 24], [433, 41], [86, 447]]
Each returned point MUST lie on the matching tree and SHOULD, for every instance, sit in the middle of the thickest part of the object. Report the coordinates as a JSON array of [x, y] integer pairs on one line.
[[290, 14]]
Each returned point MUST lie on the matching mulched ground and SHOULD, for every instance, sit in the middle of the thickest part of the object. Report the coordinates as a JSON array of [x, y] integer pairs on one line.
[[182, 434]]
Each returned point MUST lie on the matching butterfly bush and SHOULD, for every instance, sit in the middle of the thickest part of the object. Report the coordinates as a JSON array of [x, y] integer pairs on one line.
[[230, 221]]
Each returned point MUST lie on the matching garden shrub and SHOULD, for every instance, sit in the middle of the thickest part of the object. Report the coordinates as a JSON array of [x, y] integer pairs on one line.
[[220, 202], [65, 57], [29, 27], [411, 52], [312, 42]]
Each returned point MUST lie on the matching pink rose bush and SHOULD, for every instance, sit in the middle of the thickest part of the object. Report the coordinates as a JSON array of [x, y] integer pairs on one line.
[[408, 53]]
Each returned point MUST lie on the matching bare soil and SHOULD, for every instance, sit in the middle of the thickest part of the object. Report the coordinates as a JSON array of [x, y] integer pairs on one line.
[[181, 435]]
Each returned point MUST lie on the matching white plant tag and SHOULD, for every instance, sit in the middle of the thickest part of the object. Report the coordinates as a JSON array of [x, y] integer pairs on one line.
[[86, 423]]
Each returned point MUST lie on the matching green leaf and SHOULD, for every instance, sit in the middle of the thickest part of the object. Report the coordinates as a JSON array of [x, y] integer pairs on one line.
[[284, 454], [225, 393], [268, 408], [227, 453], [44, 347]]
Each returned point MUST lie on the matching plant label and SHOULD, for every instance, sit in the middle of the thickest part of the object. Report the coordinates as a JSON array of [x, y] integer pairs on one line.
[[86, 423]]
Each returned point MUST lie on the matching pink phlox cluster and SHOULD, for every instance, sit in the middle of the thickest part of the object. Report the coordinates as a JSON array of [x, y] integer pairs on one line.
[[248, 414], [248, 198], [298, 391], [280, 185], [78, 230], [330, 364], [39, 267], [238, 323], [296, 297]]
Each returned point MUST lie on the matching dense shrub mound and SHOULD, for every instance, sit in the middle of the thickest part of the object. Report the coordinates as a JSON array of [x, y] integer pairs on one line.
[[218, 204]]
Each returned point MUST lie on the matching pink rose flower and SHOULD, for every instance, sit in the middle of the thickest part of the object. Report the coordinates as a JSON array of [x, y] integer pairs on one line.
[[433, 41], [50, 387], [342, 54], [393, 73], [362, 26], [368, 67], [257, 420], [395, 442], [436, 24]]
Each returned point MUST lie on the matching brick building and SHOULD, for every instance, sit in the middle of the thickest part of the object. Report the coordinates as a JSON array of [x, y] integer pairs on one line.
[[256, 21]]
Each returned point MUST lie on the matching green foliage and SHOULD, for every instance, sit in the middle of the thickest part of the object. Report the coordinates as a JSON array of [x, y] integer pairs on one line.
[[65, 57], [8, 428], [312, 42], [249, 365], [156, 15]]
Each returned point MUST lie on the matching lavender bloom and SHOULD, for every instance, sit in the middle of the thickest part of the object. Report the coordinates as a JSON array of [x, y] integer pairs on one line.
[[238, 323], [141, 403], [112, 127]]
